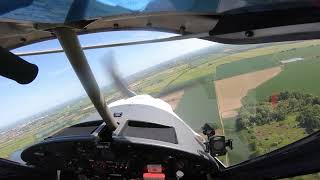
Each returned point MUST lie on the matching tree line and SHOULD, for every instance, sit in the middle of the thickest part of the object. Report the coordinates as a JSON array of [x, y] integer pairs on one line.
[[305, 106]]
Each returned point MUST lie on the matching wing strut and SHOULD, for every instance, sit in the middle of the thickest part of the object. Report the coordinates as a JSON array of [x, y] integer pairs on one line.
[[71, 46], [98, 46]]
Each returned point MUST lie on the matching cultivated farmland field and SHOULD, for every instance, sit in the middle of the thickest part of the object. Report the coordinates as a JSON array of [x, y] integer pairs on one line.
[[266, 61], [296, 76], [197, 108], [231, 90], [242, 151]]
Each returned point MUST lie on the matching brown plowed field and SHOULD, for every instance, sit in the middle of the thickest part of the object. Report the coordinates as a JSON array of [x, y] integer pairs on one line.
[[231, 90]]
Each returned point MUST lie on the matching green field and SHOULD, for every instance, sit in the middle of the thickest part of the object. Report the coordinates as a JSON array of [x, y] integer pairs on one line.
[[20, 142], [196, 107], [274, 135], [296, 76], [266, 61], [241, 151], [259, 140], [157, 82], [246, 66], [56, 120]]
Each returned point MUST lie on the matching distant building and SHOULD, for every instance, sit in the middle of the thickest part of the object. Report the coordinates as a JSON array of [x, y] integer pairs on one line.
[[291, 60]]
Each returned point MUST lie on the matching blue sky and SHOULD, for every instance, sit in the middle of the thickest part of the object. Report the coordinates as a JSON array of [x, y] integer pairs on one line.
[[129, 4], [57, 83]]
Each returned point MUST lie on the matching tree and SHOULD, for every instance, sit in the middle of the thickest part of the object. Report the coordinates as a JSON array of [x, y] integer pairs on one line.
[[263, 114], [283, 96], [279, 114], [307, 105], [293, 104], [244, 119], [242, 124], [309, 118], [316, 100]]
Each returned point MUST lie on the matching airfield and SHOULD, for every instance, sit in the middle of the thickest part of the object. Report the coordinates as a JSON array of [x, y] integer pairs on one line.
[[206, 88]]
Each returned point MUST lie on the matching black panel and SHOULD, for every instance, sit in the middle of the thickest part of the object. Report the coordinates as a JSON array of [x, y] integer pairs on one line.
[[12, 170], [82, 129], [231, 23], [89, 123], [149, 131]]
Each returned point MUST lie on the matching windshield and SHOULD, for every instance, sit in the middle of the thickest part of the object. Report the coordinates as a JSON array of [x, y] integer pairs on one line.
[[262, 96], [74, 10]]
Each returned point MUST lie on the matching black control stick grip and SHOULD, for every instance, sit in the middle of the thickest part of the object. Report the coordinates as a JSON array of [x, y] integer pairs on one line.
[[15, 68]]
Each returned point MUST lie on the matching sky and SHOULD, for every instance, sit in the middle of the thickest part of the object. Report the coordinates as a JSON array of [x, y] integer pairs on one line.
[[56, 82]]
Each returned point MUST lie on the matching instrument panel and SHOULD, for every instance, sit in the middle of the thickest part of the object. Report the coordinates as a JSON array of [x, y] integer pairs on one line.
[[102, 160], [91, 157]]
